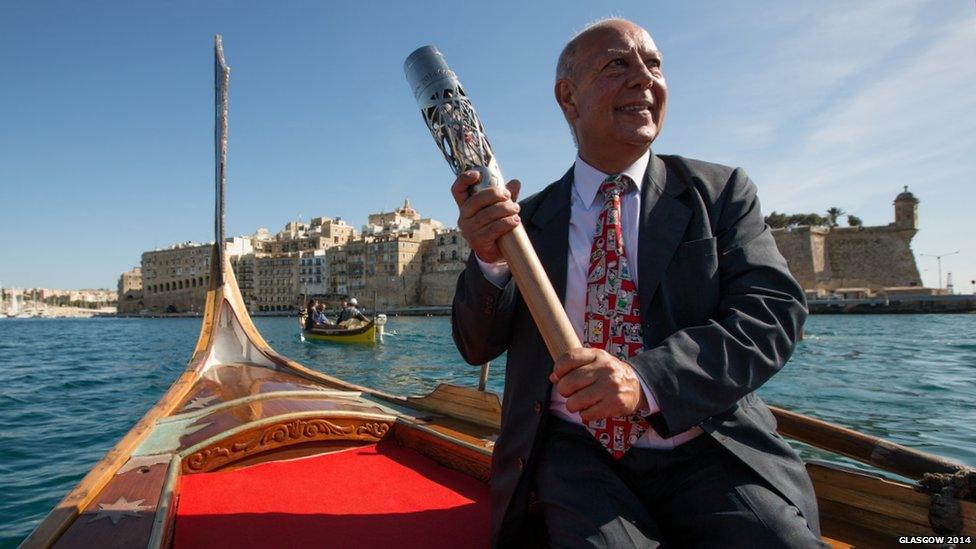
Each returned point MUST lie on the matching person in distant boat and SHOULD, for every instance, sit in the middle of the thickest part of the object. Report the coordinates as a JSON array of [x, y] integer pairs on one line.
[[651, 432], [320, 318], [351, 311], [310, 312]]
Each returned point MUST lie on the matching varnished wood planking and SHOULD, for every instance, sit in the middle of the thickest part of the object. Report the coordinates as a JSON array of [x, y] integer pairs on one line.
[[479, 407], [834, 528], [449, 454], [867, 524], [835, 544], [131, 531], [868, 492]]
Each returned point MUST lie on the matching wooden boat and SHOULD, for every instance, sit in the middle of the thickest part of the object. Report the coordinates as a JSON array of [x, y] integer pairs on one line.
[[371, 332], [250, 448]]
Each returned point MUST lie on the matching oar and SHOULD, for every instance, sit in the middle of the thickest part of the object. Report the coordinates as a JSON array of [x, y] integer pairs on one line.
[[872, 450], [483, 379]]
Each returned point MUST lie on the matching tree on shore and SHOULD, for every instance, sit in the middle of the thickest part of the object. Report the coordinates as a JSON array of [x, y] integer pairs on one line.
[[854, 221], [833, 214], [778, 220]]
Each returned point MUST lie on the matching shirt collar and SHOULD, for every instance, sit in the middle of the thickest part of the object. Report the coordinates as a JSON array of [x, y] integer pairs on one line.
[[587, 179]]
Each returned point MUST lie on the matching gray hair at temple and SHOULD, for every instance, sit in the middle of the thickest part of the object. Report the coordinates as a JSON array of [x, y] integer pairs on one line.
[[566, 65]]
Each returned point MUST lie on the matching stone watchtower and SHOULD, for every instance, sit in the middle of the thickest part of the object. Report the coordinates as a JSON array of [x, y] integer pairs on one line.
[[906, 210], [877, 257]]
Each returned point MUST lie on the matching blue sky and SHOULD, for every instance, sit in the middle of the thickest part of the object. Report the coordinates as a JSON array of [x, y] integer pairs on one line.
[[106, 114]]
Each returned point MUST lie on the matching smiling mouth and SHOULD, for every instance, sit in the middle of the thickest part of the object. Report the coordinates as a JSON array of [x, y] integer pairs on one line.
[[634, 107]]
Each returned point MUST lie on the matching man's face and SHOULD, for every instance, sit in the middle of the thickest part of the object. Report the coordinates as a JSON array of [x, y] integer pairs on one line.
[[617, 95]]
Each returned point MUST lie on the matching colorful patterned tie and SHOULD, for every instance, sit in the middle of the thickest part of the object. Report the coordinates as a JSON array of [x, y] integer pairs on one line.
[[612, 320]]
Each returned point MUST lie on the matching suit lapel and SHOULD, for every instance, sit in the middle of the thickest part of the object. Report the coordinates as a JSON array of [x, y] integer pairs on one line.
[[549, 232], [661, 228]]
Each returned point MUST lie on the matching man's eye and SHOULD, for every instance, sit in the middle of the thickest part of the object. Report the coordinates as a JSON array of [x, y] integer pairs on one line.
[[618, 62]]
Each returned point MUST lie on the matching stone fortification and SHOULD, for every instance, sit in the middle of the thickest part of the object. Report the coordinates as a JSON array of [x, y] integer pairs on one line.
[[828, 258], [438, 287]]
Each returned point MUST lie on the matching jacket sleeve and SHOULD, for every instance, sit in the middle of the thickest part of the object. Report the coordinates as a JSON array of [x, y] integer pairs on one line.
[[481, 315], [702, 371]]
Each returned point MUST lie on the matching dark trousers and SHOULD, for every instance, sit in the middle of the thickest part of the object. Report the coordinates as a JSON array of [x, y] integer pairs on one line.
[[697, 495]]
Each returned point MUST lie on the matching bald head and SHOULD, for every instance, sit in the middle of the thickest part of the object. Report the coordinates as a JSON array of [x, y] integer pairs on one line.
[[566, 65]]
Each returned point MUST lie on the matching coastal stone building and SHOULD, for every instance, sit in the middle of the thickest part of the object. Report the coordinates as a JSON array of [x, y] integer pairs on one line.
[[175, 280], [830, 258], [313, 272], [276, 282], [244, 272], [384, 264], [130, 291], [393, 270], [399, 259], [321, 233], [337, 281], [443, 261]]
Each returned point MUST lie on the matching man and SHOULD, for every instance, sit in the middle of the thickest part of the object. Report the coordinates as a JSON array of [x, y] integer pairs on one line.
[[652, 433], [320, 318], [350, 311], [310, 312]]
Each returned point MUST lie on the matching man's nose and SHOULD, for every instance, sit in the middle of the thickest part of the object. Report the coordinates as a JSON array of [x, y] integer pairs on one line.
[[642, 75]]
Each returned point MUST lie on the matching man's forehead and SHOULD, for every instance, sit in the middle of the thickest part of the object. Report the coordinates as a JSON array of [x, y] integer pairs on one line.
[[617, 51], [620, 39]]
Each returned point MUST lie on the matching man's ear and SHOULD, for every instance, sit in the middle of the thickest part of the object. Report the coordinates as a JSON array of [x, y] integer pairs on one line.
[[566, 97]]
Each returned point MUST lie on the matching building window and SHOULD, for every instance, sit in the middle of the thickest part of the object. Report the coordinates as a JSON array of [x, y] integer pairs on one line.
[[454, 254]]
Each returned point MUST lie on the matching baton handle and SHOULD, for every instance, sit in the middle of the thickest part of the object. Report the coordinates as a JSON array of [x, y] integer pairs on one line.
[[539, 295]]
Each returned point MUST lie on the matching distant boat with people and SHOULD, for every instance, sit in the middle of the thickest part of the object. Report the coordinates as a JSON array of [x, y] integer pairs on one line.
[[352, 331]]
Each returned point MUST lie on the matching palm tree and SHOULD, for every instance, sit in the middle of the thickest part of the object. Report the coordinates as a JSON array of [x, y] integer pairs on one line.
[[833, 214]]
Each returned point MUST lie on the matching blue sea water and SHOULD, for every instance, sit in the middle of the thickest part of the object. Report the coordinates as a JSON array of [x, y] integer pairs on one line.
[[71, 388]]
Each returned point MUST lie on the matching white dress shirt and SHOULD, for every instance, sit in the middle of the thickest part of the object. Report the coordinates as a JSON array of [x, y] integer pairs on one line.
[[585, 212]]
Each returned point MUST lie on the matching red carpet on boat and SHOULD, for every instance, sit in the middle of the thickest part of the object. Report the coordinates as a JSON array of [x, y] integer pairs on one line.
[[377, 496]]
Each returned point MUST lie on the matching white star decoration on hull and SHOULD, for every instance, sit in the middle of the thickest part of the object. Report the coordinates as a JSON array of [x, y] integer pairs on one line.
[[199, 402], [143, 461], [122, 508]]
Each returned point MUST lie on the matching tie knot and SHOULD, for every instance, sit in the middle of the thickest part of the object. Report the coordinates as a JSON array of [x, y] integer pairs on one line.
[[615, 185]]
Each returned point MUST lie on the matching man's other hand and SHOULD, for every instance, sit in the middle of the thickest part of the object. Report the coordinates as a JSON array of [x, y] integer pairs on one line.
[[485, 215], [597, 384]]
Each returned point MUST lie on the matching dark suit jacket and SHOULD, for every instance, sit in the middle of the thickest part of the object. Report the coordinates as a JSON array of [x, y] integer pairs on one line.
[[721, 314]]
